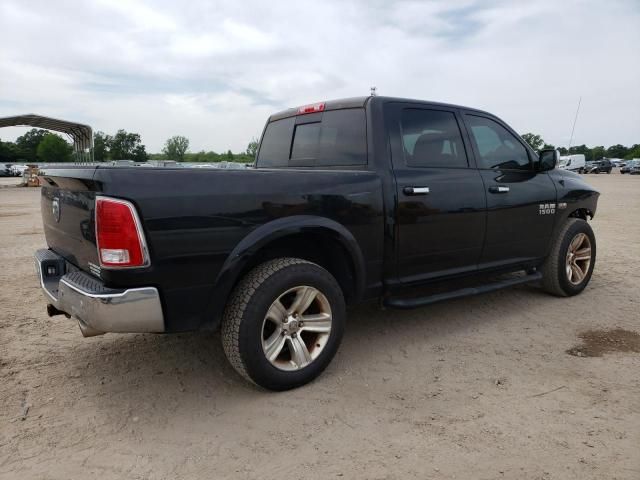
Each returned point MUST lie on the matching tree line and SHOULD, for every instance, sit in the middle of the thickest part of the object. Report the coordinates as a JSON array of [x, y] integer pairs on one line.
[[36, 146], [590, 153], [39, 145], [121, 146], [177, 148]]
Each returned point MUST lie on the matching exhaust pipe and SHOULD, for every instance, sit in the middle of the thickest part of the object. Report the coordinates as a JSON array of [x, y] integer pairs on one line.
[[53, 311], [86, 330]]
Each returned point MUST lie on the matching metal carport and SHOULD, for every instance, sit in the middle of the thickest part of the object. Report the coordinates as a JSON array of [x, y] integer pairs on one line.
[[80, 134]]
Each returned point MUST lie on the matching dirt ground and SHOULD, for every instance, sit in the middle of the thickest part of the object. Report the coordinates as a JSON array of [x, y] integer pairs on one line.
[[480, 388]]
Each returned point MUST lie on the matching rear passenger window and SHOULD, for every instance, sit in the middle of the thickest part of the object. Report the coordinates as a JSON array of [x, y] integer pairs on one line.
[[498, 148], [331, 139], [431, 138], [276, 143]]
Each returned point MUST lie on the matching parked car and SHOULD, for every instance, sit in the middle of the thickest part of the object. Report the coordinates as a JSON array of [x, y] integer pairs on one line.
[[635, 170], [574, 163], [348, 200], [629, 165], [599, 166], [5, 170], [616, 162]]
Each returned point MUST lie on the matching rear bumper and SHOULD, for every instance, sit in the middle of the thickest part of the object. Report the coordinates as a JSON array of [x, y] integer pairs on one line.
[[97, 308]]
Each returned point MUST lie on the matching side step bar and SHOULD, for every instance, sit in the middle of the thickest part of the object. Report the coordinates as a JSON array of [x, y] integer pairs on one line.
[[408, 303]]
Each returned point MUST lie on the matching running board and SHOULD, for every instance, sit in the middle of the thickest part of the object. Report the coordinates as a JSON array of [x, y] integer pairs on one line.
[[407, 303]]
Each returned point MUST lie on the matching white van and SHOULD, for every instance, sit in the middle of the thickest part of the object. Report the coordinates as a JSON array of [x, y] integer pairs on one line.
[[575, 163]]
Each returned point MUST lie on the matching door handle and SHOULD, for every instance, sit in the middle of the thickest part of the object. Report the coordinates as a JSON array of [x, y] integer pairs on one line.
[[415, 190], [499, 189]]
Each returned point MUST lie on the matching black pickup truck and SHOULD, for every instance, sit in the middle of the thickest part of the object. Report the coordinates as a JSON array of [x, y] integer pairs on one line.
[[348, 200]]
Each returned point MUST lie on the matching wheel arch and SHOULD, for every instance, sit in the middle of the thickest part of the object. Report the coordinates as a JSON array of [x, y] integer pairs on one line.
[[316, 239]]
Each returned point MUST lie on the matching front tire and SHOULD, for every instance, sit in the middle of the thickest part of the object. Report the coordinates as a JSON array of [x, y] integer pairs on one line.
[[569, 266], [283, 323]]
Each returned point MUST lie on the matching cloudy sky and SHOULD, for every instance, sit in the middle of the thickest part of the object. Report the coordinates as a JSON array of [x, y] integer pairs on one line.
[[213, 71]]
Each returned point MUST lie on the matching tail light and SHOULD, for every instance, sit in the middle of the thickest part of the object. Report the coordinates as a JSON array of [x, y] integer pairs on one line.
[[316, 107], [119, 235]]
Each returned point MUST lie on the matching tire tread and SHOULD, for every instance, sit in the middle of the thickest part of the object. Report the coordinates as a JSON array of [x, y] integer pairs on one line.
[[551, 267], [238, 302]]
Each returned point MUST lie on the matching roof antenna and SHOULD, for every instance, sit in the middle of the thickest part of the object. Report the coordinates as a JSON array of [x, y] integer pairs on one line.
[[574, 126], [374, 91]]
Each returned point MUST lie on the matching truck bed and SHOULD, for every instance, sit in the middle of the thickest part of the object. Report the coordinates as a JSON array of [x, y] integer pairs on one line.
[[194, 218]]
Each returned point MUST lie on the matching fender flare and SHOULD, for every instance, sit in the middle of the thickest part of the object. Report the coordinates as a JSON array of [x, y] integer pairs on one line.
[[274, 230]]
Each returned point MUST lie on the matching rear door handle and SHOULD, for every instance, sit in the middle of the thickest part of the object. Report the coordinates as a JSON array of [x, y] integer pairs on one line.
[[415, 190], [499, 189]]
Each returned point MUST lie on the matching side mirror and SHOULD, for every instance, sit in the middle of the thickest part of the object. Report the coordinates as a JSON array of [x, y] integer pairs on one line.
[[548, 159]]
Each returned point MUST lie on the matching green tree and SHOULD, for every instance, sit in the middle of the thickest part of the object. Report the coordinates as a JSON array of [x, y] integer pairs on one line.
[[617, 151], [100, 146], [252, 148], [583, 149], [140, 154], [9, 152], [176, 147], [548, 146], [230, 155], [535, 141], [28, 143], [126, 146], [634, 152], [598, 153], [53, 148]]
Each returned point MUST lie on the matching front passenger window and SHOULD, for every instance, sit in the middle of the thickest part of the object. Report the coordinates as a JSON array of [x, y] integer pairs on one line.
[[498, 148]]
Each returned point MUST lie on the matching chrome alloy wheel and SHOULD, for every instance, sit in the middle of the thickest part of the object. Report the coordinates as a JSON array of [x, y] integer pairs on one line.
[[578, 258], [296, 328]]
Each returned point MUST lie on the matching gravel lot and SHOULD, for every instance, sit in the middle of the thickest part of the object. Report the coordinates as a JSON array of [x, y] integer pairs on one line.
[[479, 388]]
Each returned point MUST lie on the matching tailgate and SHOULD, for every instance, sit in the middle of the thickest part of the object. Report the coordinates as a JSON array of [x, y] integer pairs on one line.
[[67, 207]]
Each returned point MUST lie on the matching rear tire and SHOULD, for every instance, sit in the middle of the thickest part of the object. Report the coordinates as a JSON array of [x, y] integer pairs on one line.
[[283, 323], [569, 266]]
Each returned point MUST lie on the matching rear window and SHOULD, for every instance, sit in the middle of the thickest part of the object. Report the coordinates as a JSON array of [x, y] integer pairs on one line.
[[334, 138]]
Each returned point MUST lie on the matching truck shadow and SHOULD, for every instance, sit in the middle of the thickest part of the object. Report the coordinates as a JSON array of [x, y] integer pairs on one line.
[[169, 373]]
